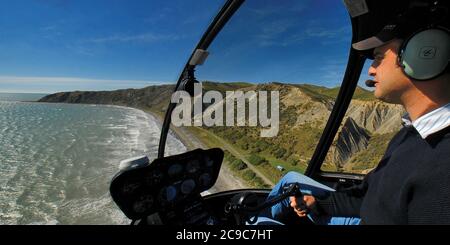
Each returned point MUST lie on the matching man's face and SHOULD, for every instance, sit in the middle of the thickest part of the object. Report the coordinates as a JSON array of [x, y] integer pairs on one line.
[[390, 81]]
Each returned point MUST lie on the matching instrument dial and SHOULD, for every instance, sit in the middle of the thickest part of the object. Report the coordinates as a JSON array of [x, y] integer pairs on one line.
[[143, 204], [187, 186], [175, 170], [205, 180], [193, 166], [155, 177], [208, 161], [170, 193]]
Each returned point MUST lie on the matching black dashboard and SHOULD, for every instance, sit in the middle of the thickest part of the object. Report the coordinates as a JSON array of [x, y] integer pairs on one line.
[[168, 189]]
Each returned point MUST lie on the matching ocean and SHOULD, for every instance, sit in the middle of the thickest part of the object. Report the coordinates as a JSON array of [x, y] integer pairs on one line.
[[57, 160], [20, 96]]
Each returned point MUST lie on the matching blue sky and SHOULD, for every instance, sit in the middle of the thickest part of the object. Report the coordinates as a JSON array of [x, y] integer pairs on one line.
[[62, 45], [287, 41]]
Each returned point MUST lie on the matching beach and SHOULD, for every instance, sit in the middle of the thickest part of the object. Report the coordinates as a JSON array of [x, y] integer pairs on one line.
[[226, 180]]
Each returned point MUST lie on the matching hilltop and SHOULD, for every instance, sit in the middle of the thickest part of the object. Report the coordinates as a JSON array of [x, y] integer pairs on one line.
[[304, 109], [153, 98]]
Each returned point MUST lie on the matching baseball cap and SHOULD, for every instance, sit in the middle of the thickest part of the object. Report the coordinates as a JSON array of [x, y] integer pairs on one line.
[[402, 27], [417, 16]]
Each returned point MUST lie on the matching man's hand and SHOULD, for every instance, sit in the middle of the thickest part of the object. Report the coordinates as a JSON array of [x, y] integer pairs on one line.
[[309, 202]]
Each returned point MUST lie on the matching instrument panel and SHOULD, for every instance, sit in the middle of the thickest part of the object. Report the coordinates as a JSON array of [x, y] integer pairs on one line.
[[166, 183]]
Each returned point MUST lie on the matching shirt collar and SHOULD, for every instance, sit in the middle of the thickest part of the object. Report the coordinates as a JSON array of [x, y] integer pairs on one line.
[[431, 122]]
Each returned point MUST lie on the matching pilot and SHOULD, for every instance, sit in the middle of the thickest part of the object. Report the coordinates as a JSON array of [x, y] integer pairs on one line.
[[411, 184]]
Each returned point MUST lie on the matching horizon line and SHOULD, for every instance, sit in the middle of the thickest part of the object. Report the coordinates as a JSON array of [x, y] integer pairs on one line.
[[75, 84]]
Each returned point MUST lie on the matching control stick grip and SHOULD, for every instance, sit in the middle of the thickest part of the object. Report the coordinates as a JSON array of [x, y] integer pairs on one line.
[[294, 190], [299, 196]]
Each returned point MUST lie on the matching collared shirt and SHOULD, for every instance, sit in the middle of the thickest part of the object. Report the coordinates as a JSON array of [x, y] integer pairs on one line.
[[411, 183], [431, 122]]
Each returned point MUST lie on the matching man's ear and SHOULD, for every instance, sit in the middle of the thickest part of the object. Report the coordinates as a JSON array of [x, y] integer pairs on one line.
[[425, 54]]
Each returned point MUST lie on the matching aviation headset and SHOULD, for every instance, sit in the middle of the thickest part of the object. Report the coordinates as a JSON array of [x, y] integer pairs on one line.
[[425, 54]]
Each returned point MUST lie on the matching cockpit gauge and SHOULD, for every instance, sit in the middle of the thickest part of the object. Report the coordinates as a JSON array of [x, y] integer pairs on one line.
[[155, 177], [208, 161], [175, 170], [193, 166], [205, 179], [169, 193], [188, 186]]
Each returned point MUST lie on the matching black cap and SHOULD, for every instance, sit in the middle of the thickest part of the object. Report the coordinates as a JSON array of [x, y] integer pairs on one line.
[[387, 34], [404, 25], [401, 28]]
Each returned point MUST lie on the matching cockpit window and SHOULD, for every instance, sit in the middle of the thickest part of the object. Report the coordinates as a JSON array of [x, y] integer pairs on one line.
[[287, 60]]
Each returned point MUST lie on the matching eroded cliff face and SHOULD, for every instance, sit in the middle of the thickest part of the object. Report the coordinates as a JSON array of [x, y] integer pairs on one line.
[[376, 116], [351, 139], [363, 119]]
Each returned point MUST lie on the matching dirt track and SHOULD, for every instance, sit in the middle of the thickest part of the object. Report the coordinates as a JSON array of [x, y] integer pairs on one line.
[[226, 180]]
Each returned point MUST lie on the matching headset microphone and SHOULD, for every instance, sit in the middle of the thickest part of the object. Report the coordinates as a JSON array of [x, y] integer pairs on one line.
[[370, 83]]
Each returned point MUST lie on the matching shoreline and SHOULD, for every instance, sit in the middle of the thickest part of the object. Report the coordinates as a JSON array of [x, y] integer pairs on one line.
[[226, 180]]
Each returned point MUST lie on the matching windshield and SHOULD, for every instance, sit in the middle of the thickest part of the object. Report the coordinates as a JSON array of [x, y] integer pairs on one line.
[[286, 60]]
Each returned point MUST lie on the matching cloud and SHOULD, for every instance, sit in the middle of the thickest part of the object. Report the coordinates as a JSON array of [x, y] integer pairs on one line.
[[87, 47], [80, 49], [326, 32], [332, 71], [276, 28], [160, 16], [54, 31], [281, 33], [262, 10], [55, 84], [270, 33], [48, 28], [58, 80], [139, 38]]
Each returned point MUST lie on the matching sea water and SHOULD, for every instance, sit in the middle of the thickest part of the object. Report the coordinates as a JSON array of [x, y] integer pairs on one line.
[[57, 160]]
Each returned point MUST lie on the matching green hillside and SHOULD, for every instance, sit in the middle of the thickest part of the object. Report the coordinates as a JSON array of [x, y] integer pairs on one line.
[[294, 145], [222, 87]]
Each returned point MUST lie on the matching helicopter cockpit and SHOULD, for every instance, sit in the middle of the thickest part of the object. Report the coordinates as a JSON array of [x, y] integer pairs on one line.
[[175, 189]]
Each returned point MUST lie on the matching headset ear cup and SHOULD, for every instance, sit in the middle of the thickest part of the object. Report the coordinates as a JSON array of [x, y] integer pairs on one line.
[[425, 55]]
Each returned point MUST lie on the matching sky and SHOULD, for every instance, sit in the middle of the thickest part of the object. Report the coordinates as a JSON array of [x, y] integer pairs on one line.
[[49, 46]]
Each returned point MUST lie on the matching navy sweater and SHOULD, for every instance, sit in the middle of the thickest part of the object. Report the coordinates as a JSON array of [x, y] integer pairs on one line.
[[410, 185]]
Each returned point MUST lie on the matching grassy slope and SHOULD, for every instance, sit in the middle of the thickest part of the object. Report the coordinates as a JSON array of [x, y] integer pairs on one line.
[[209, 140], [369, 158], [299, 143]]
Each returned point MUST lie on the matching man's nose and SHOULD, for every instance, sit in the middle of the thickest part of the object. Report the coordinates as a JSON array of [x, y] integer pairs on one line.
[[372, 71]]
